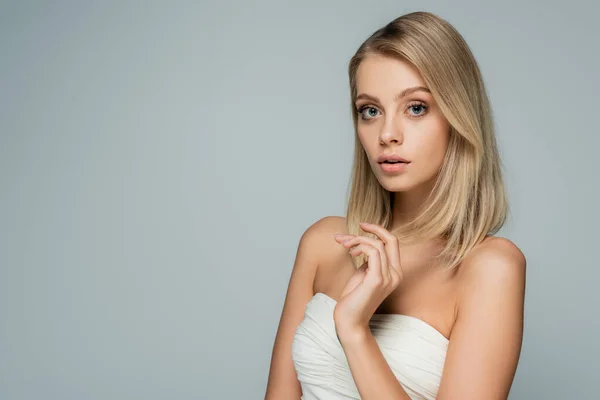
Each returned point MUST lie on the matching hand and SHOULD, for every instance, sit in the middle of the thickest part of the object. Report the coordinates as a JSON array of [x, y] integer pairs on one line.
[[371, 283]]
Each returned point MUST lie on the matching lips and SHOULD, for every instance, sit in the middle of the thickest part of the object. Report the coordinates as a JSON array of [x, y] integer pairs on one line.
[[390, 168], [394, 158]]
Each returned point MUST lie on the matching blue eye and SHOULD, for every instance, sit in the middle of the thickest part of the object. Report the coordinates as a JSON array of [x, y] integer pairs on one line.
[[422, 106], [363, 108], [419, 110]]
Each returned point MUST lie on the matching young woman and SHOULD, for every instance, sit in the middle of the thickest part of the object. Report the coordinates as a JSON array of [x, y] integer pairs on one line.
[[410, 296]]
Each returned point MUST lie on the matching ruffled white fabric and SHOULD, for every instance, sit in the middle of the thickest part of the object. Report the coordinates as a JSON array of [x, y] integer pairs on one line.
[[414, 350]]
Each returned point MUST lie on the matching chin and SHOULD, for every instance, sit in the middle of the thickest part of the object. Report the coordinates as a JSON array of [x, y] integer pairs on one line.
[[396, 183], [403, 182]]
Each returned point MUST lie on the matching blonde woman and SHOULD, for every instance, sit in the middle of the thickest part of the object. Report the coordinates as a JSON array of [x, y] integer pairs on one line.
[[410, 295]]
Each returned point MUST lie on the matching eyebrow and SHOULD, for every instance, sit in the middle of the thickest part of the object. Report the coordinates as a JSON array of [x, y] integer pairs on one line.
[[403, 93]]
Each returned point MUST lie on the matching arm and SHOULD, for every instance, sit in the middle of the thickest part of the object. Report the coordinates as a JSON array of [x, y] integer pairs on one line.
[[282, 381], [372, 375], [486, 338]]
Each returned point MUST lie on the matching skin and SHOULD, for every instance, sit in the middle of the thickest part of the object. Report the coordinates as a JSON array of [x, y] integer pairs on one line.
[[396, 115], [490, 323], [412, 127], [486, 302]]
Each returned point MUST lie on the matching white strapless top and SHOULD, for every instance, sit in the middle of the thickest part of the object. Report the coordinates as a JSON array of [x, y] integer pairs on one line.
[[413, 349]]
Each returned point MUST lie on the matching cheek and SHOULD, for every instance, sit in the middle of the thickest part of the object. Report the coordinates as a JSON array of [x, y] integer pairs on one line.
[[366, 135], [431, 148], [438, 148], [367, 142]]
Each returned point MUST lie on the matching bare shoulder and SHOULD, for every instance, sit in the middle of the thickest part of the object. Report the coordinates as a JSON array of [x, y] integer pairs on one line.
[[500, 251], [320, 237], [493, 261], [332, 258], [326, 226], [313, 249], [489, 324], [316, 242]]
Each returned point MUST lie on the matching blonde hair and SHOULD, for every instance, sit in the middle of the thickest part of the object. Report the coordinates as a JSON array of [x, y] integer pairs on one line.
[[468, 201]]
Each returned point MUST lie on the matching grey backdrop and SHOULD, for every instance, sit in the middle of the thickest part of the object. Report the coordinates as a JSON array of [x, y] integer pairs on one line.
[[160, 160]]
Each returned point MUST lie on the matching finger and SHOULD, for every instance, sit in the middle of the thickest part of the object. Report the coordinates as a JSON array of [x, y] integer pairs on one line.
[[391, 243], [374, 275], [355, 280], [340, 237], [386, 236], [377, 244]]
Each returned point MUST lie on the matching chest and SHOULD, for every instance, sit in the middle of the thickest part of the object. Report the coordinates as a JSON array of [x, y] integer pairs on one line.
[[414, 351], [428, 291]]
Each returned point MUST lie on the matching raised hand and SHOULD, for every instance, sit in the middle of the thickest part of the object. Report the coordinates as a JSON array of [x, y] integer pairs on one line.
[[371, 283]]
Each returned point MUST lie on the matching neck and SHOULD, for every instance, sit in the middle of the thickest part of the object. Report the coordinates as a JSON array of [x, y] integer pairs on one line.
[[406, 205]]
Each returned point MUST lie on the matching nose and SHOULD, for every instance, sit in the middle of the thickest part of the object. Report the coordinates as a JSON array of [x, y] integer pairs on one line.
[[391, 134]]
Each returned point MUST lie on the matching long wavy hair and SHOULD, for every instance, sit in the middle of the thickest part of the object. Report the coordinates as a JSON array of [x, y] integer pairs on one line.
[[468, 201]]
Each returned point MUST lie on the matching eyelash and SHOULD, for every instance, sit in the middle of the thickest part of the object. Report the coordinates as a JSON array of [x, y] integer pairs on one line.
[[415, 104]]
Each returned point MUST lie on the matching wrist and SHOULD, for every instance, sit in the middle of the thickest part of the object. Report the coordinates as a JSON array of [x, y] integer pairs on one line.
[[352, 335]]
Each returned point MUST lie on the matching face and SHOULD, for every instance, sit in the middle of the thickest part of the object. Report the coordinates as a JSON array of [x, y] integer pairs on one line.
[[410, 126]]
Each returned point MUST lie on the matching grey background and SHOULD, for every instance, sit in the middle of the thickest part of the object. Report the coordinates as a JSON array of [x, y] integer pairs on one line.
[[159, 162]]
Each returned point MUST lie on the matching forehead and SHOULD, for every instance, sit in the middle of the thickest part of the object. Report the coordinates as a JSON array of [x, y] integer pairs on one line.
[[378, 75]]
